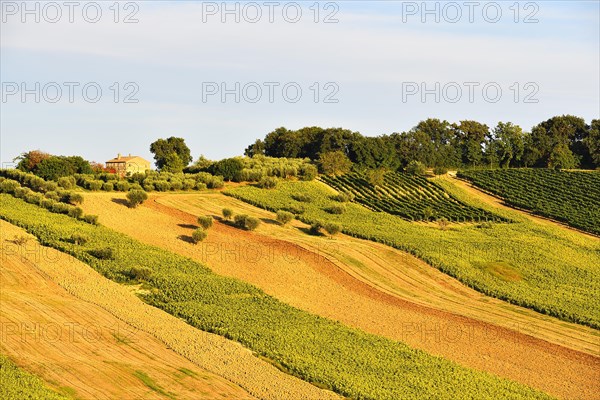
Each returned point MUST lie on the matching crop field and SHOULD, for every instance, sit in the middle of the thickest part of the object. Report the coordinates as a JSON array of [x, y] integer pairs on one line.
[[409, 196], [219, 364], [548, 269], [350, 362], [18, 384], [572, 197]]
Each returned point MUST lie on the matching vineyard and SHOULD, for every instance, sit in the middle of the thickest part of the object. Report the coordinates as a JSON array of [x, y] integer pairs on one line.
[[408, 196], [543, 268], [16, 383], [567, 196], [319, 350]]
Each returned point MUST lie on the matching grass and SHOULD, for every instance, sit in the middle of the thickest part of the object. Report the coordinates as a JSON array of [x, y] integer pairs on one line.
[[559, 269], [149, 382], [348, 361]]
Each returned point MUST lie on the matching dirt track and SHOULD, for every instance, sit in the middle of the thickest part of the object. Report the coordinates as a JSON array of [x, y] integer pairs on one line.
[[94, 339], [392, 295]]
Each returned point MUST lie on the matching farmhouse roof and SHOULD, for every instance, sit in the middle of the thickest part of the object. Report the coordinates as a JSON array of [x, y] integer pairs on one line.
[[123, 159]]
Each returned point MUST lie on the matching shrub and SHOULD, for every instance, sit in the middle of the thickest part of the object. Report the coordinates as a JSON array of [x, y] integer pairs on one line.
[[229, 168], [304, 198], [227, 213], [105, 253], [34, 198], [188, 184], [52, 196], [20, 240], [49, 186], [440, 170], [216, 182], [268, 182], [47, 203], [122, 186], [59, 208], [176, 185], [295, 209], [75, 212], [66, 182], [9, 186], [21, 192], [162, 186], [337, 209], [333, 228], [246, 222], [107, 187], [136, 197], [91, 219], [199, 235], [141, 273], [148, 187], [284, 217], [94, 185], [200, 186], [416, 168], [343, 197], [205, 221], [315, 228], [75, 198], [78, 239], [308, 172]]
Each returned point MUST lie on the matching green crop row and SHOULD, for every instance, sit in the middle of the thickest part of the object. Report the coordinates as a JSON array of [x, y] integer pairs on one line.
[[348, 361], [557, 272], [572, 197], [410, 197]]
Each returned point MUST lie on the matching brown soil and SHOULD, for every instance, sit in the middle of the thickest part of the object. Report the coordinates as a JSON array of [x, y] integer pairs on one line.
[[373, 288]]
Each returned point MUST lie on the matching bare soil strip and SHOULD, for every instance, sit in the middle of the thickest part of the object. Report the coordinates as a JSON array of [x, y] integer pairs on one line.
[[373, 288], [96, 339]]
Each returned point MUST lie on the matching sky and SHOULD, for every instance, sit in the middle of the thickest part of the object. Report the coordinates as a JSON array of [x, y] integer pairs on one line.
[[100, 78]]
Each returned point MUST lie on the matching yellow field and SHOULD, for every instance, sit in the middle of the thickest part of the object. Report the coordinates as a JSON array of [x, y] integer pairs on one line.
[[371, 287], [93, 338]]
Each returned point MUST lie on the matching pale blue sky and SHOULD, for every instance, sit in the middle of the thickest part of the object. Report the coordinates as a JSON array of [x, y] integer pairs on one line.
[[374, 51]]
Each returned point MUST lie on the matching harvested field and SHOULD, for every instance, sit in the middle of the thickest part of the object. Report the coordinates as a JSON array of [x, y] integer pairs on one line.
[[371, 287], [99, 340]]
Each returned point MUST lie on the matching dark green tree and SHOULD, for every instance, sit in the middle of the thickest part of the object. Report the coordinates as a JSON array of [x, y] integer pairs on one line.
[[163, 148]]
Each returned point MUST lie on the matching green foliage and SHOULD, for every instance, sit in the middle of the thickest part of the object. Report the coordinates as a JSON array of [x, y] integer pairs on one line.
[[91, 219], [268, 182], [409, 196], [205, 221], [199, 235], [416, 168], [440, 171], [104, 253], [229, 168], [74, 198], [244, 221], [334, 163], [343, 197], [9, 186], [79, 239], [227, 213], [284, 217], [335, 209], [136, 197], [172, 163], [567, 196], [332, 228], [315, 228], [163, 150], [75, 212], [302, 197], [319, 350], [17, 384], [108, 186], [559, 268], [308, 172], [141, 273], [67, 182]]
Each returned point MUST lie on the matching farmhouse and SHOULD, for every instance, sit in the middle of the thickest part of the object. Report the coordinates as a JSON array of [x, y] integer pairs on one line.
[[128, 165]]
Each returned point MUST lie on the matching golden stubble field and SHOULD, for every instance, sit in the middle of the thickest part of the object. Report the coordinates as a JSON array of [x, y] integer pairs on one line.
[[371, 287], [95, 339]]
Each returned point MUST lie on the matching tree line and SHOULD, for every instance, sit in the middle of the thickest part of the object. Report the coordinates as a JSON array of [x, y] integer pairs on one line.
[[561, 142]]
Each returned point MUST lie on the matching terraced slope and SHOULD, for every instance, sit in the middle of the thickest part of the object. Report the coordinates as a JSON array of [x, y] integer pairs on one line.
[[367, 285]]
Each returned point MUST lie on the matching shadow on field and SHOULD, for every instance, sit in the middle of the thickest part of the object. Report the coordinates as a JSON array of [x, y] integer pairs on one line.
[[187, 226], [186, 238], [122, 202], [270, 221]]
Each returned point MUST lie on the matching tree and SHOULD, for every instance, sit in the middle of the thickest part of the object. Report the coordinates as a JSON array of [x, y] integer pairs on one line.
[[332, 228], [376, 176], [163, 148], [199, 235], [29, 160], [284, 217], [593, 142], [229, 168], [53, 167], [227, 213], [136, 197], [257, 148], [334, 163], [172, 163], [560, 137], [205, 221], [470, 136], [561, 157], [506, 145], [416, 168]]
